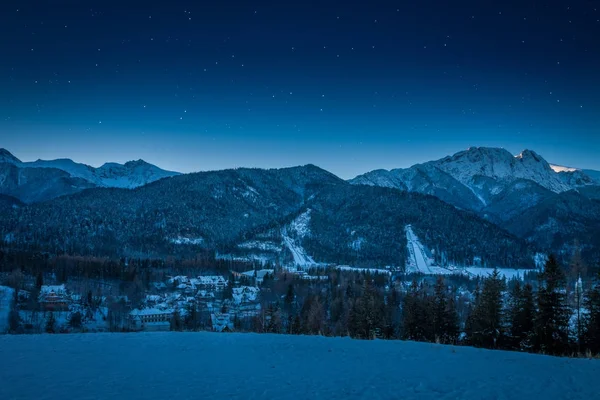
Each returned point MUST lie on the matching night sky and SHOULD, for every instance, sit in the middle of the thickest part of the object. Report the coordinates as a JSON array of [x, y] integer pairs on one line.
[[349, 86]]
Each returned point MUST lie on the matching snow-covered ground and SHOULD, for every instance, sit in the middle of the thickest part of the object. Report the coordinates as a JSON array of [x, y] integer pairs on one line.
[[418, 260], [301, 225], [301, 258], [187, 240], [508, 273], [298, 228], [261, 245], [250, 366], [363, 270]]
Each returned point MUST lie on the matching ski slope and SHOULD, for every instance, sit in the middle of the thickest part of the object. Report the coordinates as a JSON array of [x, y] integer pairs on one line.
[[299, 228], [419, 262], [301, 258], [172, 365]]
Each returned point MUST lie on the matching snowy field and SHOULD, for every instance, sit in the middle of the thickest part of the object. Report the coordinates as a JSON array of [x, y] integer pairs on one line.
[[250, 366]]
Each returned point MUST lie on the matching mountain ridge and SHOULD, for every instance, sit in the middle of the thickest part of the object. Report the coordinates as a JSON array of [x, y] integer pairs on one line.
[[504, 189], [21, 180]]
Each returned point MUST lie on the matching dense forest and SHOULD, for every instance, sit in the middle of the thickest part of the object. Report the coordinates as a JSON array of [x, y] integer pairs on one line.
[[215, 211], [555, 311]]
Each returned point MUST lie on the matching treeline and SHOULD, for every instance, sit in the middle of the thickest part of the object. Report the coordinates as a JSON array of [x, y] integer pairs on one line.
[[547, 319], [364, 226], [64, 268]]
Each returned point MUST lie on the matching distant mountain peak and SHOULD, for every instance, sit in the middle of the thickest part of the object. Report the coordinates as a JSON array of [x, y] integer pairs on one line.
[[54, 178], [527, 155], [6, 156], [134, 163]]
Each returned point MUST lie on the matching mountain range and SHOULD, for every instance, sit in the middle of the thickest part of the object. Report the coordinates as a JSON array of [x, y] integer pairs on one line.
[[546, 204], [43, 180], [480, 203]]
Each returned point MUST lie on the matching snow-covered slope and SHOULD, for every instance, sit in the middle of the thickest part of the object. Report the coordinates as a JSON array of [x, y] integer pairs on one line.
[[595, 175], [292, 236], [68, 176], [501, 165], [130, 175], [484, 179], [562, 168], [7, 157], [252, 366]]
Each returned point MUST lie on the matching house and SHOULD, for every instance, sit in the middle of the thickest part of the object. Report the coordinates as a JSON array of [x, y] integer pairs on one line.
[[246, 301], [150, 319], [259, 274], [221, 322], [215, 282], [53, 298]]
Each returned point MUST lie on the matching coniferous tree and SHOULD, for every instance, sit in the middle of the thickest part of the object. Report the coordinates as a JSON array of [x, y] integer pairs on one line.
[[392, 315], [485, 324], [228, 290], [39, 281], [416, 321], [296, 327], [591, 325], [274, 323], [444, 316], [176, 324], [552, 322], [192, 318], [289, 299], [521, 315], [51, 324], [76, 320], [14, 320]]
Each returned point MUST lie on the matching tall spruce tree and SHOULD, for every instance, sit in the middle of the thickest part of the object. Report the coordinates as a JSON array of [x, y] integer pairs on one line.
[[521, 315], [552, 322], [367, 313], [591, 325], [51, 324], [444, 316], [485, 326], [416, 321]]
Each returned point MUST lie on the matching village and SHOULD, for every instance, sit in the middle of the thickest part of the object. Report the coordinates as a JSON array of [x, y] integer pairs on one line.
[[219, 303]]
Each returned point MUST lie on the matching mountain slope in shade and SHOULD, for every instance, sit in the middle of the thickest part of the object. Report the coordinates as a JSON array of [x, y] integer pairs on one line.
[[43, 180], [558, 221], [501, 166], [213, 208], [129, 175], [478, 178], [520, 193], [231, 211], [595, 175], [31, 185], [7, 157]]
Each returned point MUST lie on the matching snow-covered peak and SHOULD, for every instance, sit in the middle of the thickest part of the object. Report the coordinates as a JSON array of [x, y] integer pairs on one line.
[[561, 168], [130, 175], [7, 157], [500, 165]]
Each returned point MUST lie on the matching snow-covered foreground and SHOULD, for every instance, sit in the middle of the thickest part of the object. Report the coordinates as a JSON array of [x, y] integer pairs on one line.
[[250, 366]]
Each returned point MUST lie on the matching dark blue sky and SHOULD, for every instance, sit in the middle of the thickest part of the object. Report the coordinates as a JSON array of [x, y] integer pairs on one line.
[[349, 86]]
